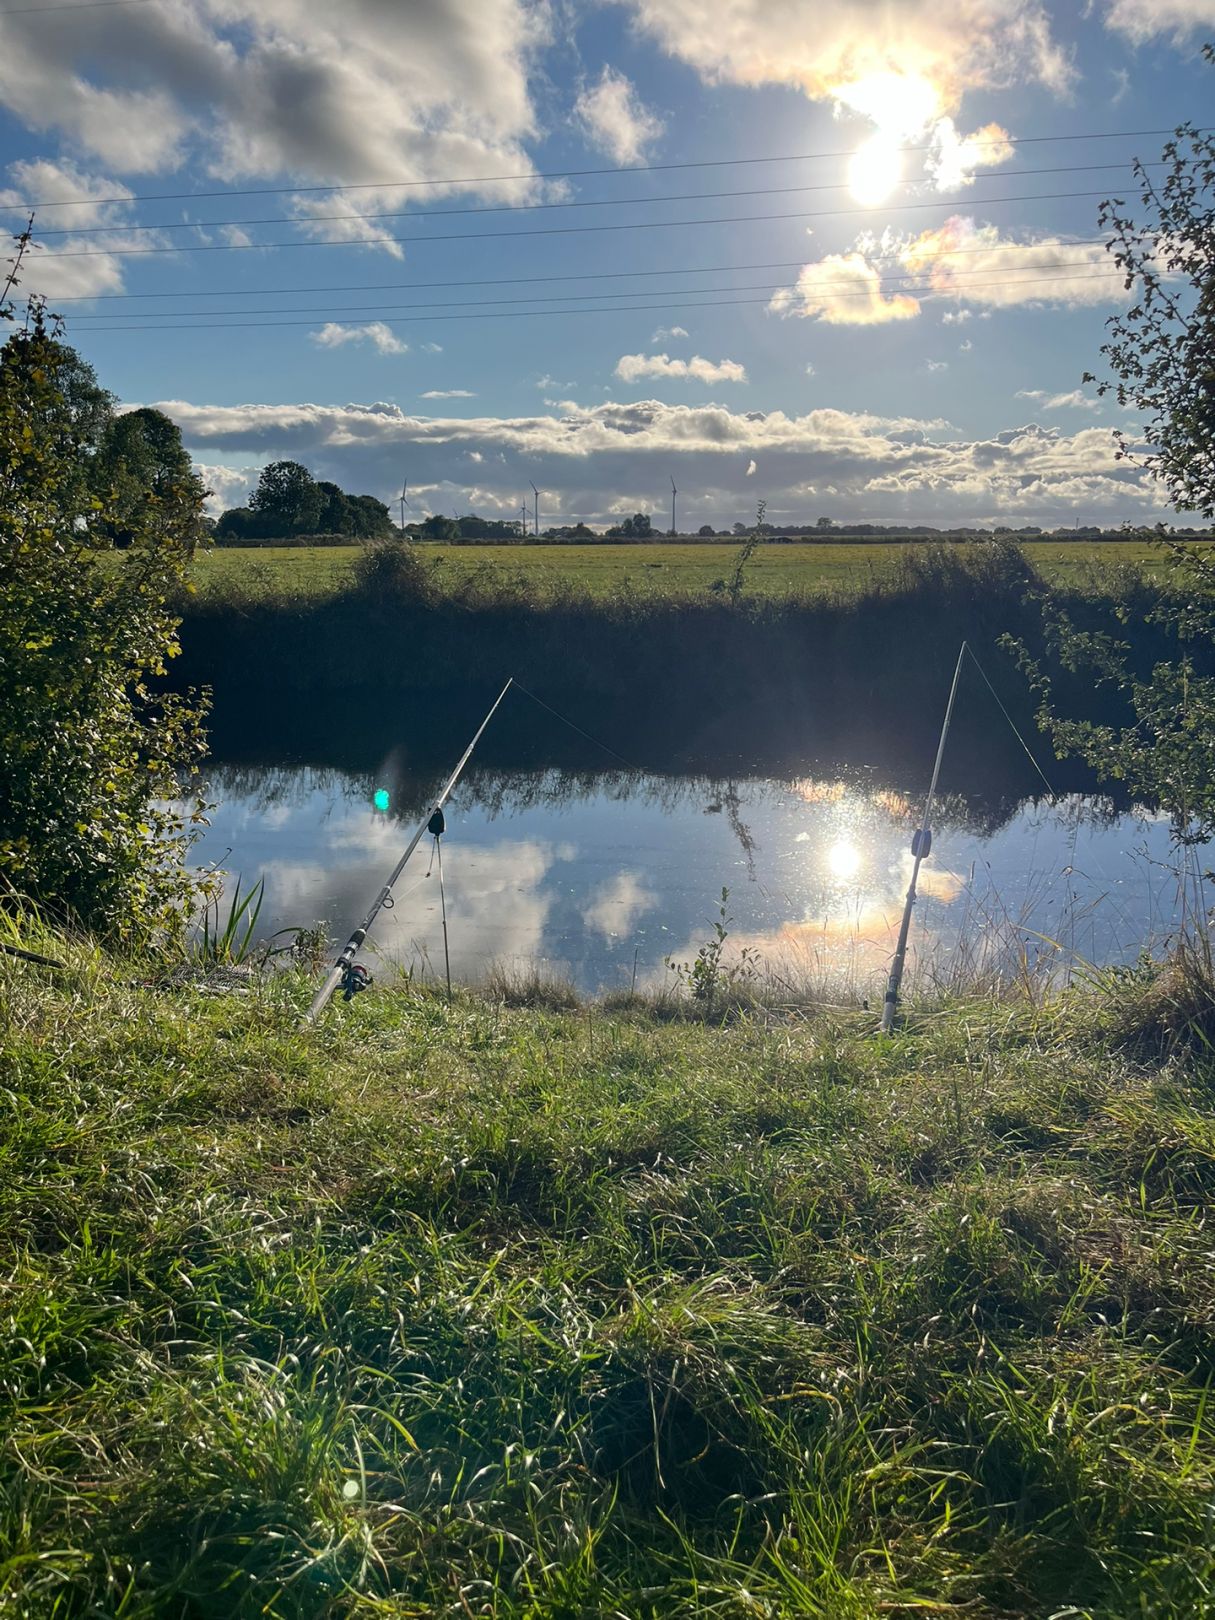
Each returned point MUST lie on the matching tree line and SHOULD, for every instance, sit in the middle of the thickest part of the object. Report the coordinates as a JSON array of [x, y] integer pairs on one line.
[[289, 503]]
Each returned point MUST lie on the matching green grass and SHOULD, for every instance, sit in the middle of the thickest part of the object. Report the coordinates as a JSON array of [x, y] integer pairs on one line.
[[664, 568], [490, 1311]]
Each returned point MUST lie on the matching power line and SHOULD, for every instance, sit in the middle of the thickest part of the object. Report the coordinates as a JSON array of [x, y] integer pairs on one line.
[[524, 314], [568, 174], [532, 207], [515, 281], [907, 282], [563, 230]]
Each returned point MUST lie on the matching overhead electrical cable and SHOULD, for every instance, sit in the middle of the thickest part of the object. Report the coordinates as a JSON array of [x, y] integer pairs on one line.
[[928, 294], [571, 174], [910, 282], [532, 207], [563, 230], [516, 281]]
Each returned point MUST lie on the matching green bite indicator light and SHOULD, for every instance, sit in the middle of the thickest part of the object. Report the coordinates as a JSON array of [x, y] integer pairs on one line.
[[380, 799]]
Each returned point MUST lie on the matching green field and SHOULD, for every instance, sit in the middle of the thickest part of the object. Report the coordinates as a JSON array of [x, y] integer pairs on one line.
[[663, 568], [477, 1310]]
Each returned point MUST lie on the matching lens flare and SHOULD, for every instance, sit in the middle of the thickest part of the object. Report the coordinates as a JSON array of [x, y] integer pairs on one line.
[[380, 799]]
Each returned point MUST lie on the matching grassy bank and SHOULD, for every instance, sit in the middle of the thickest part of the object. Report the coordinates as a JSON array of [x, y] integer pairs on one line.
[[664, 567], [493, 1311]]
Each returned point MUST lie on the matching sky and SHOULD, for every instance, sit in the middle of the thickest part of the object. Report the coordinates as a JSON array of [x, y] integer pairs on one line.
[[839, 255]]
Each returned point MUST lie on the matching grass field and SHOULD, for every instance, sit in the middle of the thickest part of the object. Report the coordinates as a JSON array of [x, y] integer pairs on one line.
[[658, 568], [493, 1311]]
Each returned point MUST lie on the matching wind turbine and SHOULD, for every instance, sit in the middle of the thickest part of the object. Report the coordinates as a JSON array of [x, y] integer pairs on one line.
[[536, 493], [523, 519], [674, 492], [404, 503]]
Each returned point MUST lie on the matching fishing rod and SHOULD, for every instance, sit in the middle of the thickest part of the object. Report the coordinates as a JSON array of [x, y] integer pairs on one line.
[[921, 844], [345, 968]]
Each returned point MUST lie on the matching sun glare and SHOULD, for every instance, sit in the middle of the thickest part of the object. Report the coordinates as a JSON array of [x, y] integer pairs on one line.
[[843, 860], [875, 170]]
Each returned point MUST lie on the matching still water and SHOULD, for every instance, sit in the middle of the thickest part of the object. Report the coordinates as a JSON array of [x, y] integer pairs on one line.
[[605, 878]]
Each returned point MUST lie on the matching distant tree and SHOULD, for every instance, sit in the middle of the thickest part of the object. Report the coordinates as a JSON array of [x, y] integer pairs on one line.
[[741, 528], [637, 527], [336, 515], [706, 531], [140, 459], [287, 500], [824, 523], [438, 527]]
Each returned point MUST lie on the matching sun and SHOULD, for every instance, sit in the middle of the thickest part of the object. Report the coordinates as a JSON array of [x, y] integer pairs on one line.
[[903, 106], [875, 170], [843, 860]]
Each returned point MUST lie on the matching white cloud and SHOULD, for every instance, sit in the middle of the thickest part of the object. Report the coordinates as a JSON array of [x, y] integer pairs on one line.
[[1076, 400], [333, 335], [614, 121], [965, 346], [632, 367], [889, 279], [56, 267], [955, 157], [448, 393], [751, 469], [664, 334], [809, 369], [325, 94], [1142, 20], [229, 486], [844, 289], [585, 458], [948, 45], [937, 365], [616, 906]]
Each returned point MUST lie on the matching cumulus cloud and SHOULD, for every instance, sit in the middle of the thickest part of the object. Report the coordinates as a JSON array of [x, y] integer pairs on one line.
[[1141, 20], [614, 121], [844, 289], [889, 279], [55, 269], [904, 67], [879, 468], [955, 157], [448, 393], [323, 94], [632, 367], [1075, 400], [664, 334], [333, 335], [948, 46], [227, 486]]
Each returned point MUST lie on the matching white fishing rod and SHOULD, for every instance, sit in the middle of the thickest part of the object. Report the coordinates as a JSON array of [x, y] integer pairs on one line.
[[921, 844], [345, 964]]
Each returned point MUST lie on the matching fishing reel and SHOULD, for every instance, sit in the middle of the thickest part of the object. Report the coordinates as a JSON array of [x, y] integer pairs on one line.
[[355, 977]]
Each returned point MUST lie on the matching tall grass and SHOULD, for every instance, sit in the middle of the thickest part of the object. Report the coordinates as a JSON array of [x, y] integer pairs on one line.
[[483, 1310]]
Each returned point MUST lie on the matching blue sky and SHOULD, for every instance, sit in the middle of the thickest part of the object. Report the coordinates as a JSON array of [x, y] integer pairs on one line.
[[906, 346]]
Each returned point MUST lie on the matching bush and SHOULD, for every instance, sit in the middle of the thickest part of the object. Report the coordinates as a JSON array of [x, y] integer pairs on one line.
[[92, 760]]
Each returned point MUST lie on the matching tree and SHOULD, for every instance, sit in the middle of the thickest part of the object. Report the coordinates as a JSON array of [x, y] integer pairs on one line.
[[438, 527], [824, 523], [287, 500], [1161, 354], [140, 457], [706, 531], [93, 761]]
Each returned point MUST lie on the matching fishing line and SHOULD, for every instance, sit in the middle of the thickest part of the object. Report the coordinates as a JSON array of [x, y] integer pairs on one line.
[[628, 765], [1011, 722]]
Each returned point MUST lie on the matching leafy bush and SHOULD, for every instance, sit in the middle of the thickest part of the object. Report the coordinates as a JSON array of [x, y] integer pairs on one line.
[[93, 760]]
